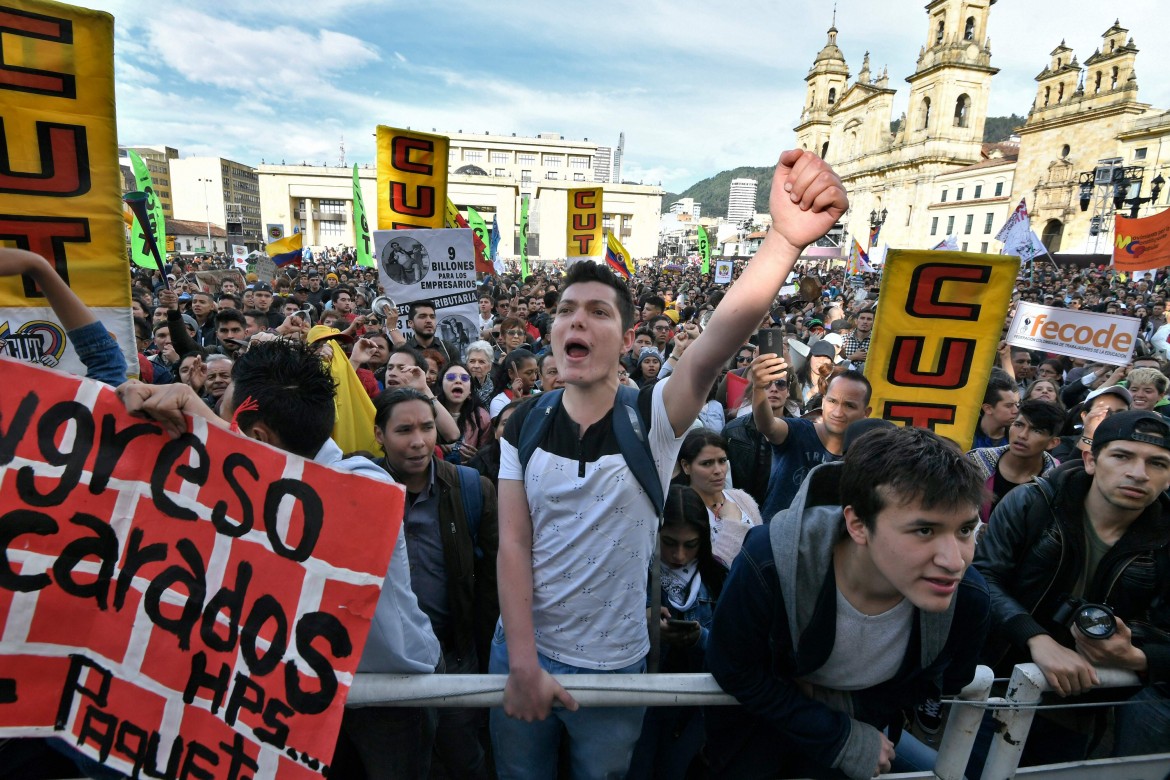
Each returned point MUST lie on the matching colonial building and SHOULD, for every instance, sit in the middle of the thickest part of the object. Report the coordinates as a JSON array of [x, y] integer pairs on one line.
[[927, 173]]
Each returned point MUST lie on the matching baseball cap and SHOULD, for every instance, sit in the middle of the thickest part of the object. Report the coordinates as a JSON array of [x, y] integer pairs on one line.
[[323, 332], [823, 348], [262, 287], [1135, 425], [1117, 390], [814, 323]]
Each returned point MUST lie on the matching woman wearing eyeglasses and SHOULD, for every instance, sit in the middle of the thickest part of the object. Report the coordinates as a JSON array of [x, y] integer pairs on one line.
[[475, 425]]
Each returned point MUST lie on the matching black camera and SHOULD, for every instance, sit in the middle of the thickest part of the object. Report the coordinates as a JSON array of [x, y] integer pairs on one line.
[[1095, 621]]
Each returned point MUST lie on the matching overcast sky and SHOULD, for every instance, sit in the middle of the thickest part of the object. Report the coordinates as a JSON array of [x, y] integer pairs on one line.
[[697, 87]]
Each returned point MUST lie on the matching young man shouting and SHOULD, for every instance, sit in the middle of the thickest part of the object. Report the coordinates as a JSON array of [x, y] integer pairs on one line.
[[576, 530]]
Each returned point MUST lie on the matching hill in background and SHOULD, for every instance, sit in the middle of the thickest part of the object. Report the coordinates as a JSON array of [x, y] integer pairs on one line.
[[712, 192]]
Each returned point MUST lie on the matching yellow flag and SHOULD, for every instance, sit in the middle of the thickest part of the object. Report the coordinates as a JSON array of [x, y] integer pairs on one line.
[[935, 337], [584, 226], [412, 179], [60, 191]]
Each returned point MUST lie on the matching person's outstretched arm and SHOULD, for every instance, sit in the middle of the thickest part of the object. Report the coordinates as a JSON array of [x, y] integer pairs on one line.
[[807, 200], [94, 346]]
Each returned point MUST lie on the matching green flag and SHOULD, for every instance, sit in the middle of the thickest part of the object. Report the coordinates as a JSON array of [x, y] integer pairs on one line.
[[481, 229], [524, 237], [139, 252], [361, 228], [704, 249]]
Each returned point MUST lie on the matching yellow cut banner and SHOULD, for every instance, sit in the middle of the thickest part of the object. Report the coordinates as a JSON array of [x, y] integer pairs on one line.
[[412, 179], [585, 237], [60, 192], [939, 321]]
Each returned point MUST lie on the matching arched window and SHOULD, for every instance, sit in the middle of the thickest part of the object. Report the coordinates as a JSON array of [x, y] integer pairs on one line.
[[1065, 151], [1047, 95], [812, 98], [1052, 232], [825, 151], [925, 113], [1060, 92], [853, 150], [832, 95], [1112, 46], [1097, 82], [962, 110], [938, 37], [1059, 62], [969, 30], [1116, 73]]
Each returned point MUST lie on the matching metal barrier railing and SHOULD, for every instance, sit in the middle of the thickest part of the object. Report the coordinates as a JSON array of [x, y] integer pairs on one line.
[[1014, 713], [657, 690], [1025, 688]]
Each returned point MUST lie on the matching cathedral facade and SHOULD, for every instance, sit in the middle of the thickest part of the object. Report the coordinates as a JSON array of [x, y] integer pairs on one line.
[[928, 174]]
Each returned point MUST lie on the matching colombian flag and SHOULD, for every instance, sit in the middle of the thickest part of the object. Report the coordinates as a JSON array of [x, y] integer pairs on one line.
[[285, 251], [618, 258]]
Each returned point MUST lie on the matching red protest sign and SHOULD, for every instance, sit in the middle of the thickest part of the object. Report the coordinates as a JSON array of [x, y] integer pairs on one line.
[[192, 607]]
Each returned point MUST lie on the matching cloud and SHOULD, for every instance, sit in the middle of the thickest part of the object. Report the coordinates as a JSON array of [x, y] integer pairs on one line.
[[695, 90], [277, 61]]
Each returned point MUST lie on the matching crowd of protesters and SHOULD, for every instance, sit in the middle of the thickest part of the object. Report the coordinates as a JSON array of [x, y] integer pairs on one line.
[[840, 664]]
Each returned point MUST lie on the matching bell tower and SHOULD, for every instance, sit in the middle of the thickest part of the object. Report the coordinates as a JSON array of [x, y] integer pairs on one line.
[[951, 85], [826, 81]]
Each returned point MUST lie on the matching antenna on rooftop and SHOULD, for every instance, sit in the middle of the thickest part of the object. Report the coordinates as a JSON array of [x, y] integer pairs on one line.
[[341, 161]]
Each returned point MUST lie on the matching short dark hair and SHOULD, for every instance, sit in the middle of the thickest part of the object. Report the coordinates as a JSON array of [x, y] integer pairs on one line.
[[415, 355], [550, 299], [233, 297], [1042, 415], [389, 398], [293, 394], [657, 301], [998, 382], [595, 272], [343, 290], [230, 315], [905, 464], [414, 307], [853, 375]]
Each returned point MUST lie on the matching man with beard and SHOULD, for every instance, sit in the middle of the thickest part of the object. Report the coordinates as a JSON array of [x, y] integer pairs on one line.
[[424, 323], [797, 444]]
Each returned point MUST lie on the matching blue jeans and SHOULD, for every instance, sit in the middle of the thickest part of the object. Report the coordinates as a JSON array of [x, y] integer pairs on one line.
[[1143, 728], [601, 739]]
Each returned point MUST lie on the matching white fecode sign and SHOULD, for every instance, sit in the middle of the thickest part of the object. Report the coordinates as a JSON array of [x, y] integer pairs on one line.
[[1100, 338], [723, 272]]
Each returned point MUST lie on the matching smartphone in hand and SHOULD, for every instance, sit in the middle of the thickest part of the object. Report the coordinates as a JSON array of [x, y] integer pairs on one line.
[[771, 340]]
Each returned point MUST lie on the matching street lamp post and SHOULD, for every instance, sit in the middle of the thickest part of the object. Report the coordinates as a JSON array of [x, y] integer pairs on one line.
[[207, 213]]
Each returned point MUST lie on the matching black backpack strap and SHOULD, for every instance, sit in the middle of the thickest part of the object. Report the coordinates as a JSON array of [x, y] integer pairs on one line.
[[536, 423], [635, 446]]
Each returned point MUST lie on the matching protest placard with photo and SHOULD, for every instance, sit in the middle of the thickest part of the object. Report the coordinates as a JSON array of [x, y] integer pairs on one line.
[[198, 602], [212, 281], [434, 265]]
